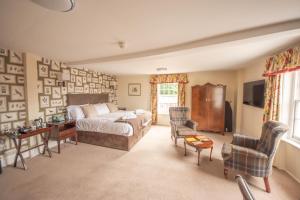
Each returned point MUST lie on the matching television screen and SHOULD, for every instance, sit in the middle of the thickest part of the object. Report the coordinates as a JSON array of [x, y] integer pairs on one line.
[[254, 93]]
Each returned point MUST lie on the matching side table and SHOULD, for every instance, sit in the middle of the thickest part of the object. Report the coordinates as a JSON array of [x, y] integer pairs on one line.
[[199, 142], [17, 140], [63, 130]]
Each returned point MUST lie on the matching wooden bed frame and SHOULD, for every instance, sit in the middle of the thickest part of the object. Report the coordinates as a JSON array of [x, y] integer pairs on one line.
[[104, 139]]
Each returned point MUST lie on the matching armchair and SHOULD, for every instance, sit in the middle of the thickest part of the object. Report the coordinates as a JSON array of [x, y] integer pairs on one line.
[[180, 124], [254, 156]]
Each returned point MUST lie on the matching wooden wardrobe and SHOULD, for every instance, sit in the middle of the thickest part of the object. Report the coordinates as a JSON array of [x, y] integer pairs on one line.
[[208, 107]]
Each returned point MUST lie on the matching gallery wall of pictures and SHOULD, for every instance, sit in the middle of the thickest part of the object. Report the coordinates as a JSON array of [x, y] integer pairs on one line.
[[12, 90], [53, 98]]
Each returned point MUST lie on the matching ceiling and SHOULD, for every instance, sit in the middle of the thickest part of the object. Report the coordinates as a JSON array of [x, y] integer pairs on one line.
[[184, 36]]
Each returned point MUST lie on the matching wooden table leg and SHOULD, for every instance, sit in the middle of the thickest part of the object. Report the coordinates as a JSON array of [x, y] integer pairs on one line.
[[210, 153], [76, 138], [18, 147], [198, 156], [45, 142], [184, 148], [58, 145]]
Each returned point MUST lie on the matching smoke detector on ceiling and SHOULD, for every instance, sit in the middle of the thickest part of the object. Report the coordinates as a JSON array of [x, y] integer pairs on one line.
[[161, 69], [122, 44], [57, 5]]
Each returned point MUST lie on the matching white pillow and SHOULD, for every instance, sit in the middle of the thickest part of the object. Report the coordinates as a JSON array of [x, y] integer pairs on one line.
[[101, 108], [75, 112]]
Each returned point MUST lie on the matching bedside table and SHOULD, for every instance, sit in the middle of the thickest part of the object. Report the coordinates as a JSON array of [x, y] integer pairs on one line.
[[63, 130]]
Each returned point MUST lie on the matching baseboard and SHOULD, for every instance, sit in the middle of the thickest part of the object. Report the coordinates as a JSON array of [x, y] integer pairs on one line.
[[293, 176], [289, 173]]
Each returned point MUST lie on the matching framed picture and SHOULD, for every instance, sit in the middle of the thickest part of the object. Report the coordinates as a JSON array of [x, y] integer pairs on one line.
[[15, 57], [3, 107], [17, 92], [43, 70], [134, 89], [2, 64]]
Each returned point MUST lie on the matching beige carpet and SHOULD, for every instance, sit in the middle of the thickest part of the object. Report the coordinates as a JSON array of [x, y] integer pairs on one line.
[[153, 169]]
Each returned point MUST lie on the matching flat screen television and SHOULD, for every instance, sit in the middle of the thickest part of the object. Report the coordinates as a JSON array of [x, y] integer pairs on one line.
[[254, 93]]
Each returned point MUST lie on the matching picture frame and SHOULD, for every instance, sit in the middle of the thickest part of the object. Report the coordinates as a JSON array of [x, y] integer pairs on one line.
[[134, 89]]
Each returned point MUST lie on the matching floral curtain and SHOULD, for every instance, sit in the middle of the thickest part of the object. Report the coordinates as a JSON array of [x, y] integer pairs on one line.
[[288, 60], [154, 103], [169, 78], [181, 79], [272, 94], [276, 65]]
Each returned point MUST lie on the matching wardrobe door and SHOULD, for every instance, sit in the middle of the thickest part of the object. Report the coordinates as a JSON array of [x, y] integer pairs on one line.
[[195, 103], [203, 108], [216, 114]]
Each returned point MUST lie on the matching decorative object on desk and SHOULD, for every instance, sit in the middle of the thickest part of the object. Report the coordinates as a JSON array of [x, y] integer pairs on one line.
[[24, 130], [134, 89], [38, 122], [58, 118]]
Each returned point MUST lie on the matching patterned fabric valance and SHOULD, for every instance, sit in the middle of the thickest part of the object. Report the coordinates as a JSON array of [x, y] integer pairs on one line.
[[169, 78], [288, 60]]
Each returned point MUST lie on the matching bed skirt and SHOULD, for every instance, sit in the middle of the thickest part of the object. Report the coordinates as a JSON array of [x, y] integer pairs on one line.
[[112, 141]]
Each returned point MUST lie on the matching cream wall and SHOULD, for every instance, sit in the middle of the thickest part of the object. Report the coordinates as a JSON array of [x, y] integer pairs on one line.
[[134, 102], [227, 78], [250, 120], [31, 86]]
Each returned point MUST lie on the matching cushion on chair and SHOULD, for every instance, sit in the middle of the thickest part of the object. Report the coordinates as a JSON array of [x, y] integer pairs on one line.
[[271, 134], [226, 151], [183, 130]]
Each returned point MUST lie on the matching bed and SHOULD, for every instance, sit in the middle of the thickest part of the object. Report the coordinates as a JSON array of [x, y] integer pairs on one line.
[[109, 130]]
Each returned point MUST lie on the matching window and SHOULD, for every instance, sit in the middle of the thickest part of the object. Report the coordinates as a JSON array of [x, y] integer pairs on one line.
[[167, 96], [290, 103]]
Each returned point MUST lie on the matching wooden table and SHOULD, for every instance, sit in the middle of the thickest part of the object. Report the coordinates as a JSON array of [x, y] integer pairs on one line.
[[17, 140], [199, 142], [63, 130]]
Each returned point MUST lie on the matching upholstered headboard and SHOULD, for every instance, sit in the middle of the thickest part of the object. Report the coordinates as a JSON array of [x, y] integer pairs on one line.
[[80, 99]]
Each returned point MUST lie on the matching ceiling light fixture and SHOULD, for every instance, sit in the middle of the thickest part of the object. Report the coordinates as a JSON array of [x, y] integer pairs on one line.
[[57, 5], [161, 69]]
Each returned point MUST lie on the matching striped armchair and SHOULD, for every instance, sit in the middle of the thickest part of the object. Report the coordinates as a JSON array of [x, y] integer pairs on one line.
[[180, 124], [253, 156]]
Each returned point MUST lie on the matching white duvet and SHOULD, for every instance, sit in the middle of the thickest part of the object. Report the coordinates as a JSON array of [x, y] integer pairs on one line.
[[106, 123]]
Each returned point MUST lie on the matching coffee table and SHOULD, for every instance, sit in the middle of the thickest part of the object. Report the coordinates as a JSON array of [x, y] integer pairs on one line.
[[199, 142]]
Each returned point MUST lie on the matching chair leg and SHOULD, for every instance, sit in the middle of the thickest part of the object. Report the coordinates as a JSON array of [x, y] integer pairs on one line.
[[225, 173], [267, 184], [175, 141]]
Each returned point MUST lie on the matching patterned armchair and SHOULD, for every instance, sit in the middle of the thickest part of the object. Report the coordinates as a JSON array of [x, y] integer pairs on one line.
[[253, 156], [180, 124]]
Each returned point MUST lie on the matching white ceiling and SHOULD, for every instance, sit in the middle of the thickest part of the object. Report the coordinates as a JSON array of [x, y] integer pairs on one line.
[[170, 33]]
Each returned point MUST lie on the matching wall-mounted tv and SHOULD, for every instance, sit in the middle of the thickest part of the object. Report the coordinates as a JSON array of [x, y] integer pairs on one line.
[[254, 93]]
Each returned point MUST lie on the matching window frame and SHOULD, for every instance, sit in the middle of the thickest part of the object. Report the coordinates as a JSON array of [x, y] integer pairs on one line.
[[166, 112], [289, 116]]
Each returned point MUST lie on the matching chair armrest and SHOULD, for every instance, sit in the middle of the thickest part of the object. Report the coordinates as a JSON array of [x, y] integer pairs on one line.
[[244, 141], [246, 154], [172, 123], [191, 124]]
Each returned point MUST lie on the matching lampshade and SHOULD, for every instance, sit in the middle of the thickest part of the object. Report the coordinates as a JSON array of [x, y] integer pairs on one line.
[[57, 5]]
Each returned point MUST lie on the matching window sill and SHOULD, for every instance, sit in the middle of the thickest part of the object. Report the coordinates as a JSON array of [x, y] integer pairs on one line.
[[163, 114], [292, 142]]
